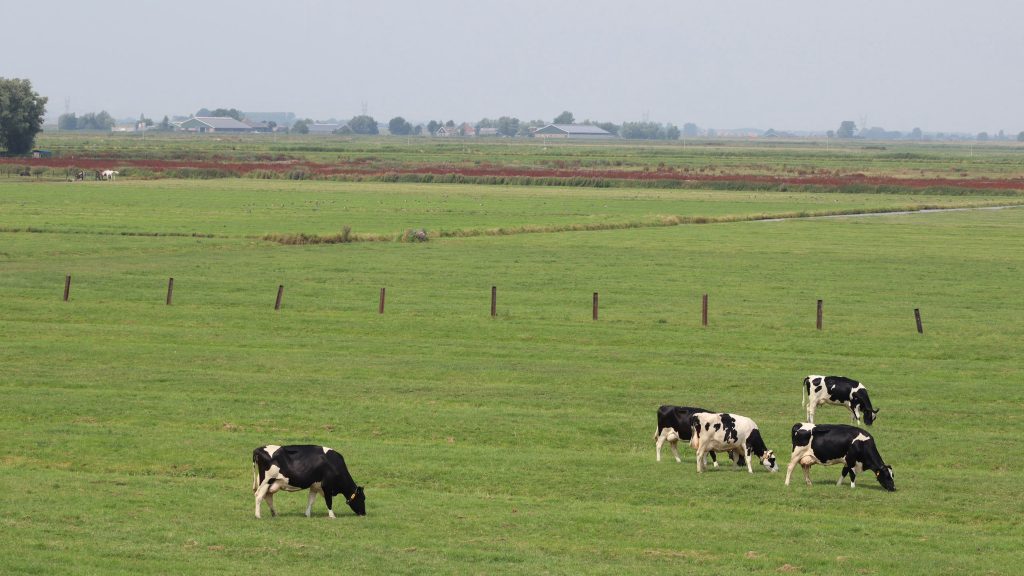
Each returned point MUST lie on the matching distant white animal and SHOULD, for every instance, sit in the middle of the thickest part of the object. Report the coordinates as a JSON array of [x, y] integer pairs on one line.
[[109, 174]]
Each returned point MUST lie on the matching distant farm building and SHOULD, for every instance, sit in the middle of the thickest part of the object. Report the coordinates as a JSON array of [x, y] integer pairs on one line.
[[326, 128], [487, 132], [575, 131], [215, 124], [464, 129]]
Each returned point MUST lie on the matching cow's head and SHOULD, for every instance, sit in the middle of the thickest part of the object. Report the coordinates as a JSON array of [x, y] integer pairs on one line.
[[869, 417], [357, 501], [886, 478], [768, 461]]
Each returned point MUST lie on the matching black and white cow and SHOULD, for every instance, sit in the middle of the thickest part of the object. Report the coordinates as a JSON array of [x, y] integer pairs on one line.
[[840, 390], [729, 432], [834, 443], [294, 468], [674, 425]]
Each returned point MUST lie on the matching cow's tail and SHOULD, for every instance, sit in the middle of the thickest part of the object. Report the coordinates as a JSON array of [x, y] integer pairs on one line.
[[805, 391], [255, 474]]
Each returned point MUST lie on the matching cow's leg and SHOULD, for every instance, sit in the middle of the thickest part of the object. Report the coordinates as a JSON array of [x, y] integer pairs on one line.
[[789, 469], [853, 475], [807, 473], [330, 509], [846, 470], [261, 492], [812, 406], [856, 414], [714, 459], [750, 468], [270, 504], [675, 451], [659, 440], [701, 454], [309, 502]]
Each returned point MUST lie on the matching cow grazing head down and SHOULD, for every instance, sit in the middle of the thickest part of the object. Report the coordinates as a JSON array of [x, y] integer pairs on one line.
[[886, 478], [869, 416], [357, 501], [768, 461]]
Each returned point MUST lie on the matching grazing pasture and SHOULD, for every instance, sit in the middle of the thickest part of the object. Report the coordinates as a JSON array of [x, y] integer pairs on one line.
[[516, 444]]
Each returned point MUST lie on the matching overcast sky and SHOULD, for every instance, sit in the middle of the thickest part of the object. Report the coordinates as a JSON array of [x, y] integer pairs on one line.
[[939, 65]]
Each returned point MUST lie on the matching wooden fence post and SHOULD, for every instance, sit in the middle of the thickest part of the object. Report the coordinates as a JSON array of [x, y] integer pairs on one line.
[[819, 314], [170, 289], [704, 310], [380, 308], [280, 293], [67, 287], [595, 305], [917, 316], [494, 301]]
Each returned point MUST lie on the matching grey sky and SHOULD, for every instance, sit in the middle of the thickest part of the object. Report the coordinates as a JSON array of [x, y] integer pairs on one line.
[[788, 64]]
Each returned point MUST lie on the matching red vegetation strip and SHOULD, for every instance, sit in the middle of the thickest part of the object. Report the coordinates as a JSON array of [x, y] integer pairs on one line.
[[359, 169]]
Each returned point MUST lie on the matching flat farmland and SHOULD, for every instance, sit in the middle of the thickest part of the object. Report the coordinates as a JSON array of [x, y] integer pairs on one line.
[[242, 207], [515, 444]]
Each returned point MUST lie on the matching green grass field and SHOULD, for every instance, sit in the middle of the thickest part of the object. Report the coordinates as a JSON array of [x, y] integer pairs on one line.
[[520, 444]]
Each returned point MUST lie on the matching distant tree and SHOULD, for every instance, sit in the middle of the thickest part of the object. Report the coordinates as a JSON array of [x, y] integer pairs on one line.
[[449, 124], [345, 129], [227, 113], [846, 129], [649, 131], [301, 127], [145, 121], [690, 130], [485, 123], [1001, 135], [508, 126], [770, 133], [272, 125], [609, 127], [982, 136], [165, 124], [399, 127], [565, 117], [830, 134], [21, 115], [204, 112], [92, 121], [363, 124], [418, 129], [432, 127], [67, 122], [915, 134], [1020, 136]]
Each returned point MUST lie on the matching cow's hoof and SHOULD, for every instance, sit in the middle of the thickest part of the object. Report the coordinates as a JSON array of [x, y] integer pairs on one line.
[[715, 464]]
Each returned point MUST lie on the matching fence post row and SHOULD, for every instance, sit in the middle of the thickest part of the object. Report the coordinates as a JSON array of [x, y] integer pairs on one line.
[[494, 303]]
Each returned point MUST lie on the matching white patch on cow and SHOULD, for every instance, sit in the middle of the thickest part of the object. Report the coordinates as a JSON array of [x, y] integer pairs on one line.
[[712, 439], [861, 438], [270, 449], [326, 449]]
